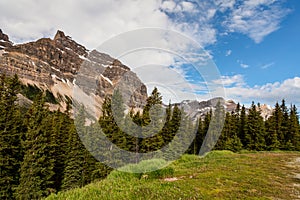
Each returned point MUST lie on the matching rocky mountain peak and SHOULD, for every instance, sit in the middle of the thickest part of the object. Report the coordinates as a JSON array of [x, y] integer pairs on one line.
[[61, 64], [66, 42], [4, 40], [59, 34], [3, 36], [196, 109]]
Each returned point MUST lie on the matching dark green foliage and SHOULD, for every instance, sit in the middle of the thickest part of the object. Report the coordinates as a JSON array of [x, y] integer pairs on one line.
[[255, 133], [283, 128], [41, 152], [49, 97], [73, 172], [108, 123], [79, 164], [242, 126], [154, 99], [61, 124], [272, 140], [11, 132], [294, 129], [229, 139], [32, 91], [214, 129], [36, 175]]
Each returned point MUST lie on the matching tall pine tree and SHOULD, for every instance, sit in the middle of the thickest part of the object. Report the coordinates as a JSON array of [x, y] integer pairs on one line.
[[11, 130], [255, 135], [37, 173]]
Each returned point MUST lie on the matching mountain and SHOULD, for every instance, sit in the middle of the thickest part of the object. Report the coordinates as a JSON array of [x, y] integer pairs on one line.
[[69, 71], [196, 109]]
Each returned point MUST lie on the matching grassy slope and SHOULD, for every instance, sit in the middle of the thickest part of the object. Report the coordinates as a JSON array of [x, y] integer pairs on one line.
[[220, 175]]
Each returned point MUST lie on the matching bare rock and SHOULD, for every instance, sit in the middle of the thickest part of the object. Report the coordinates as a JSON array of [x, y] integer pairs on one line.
[[4, 40], [61, 64]]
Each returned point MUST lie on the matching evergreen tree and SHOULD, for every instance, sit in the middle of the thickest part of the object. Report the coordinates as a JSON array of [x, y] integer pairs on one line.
[[294, 129], [272, 141], [73, 172], [166, 130], [137, 119], [80, 164], [197, 142], [61, 124], [229, 139], [233, 142], [36, 178], [154, 99], [206, 122], [255, 135], [242, 126], [215, 129], [118, 109], [152, 123], [284, 127], [109, 125], [11, 130]]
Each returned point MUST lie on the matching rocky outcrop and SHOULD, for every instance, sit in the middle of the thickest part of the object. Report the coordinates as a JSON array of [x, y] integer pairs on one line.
[[4, 40], [60, 65], [266, 111]]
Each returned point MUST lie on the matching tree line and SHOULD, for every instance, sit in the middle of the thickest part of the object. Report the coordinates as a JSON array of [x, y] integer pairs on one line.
[[41, 151]]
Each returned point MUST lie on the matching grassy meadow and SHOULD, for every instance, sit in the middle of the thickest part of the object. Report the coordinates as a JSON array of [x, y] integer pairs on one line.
[[219, 175]]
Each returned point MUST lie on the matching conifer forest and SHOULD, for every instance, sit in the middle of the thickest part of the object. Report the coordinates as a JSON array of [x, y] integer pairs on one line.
[[41, 151]]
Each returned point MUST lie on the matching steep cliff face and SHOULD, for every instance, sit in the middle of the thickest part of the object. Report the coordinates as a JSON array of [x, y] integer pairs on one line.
[[61, 65]]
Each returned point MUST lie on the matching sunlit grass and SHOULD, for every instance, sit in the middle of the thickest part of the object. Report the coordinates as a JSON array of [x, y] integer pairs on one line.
[[219, 175]]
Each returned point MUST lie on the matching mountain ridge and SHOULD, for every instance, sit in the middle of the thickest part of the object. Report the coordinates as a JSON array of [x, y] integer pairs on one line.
[[55, 64], [60, 64]]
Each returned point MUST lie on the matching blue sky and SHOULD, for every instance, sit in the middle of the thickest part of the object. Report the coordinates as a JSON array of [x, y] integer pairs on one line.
[[276, 58], [254, 44]]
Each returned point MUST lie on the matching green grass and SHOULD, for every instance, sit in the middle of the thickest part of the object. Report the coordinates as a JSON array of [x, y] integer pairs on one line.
[[219, 175], [148, 169]]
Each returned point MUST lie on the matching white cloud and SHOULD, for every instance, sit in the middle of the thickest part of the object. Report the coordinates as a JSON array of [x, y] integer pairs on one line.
[[236, 80], [168, 6], [242, 64], [256, 18], [174, 87], [270, 93], [173, 7], [267, 65], [187, 6], [225, 4], [93, 22], [90, 23], [228, 53]]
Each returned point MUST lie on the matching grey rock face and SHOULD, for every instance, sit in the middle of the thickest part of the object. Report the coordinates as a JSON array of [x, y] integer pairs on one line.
[[60, 65]]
